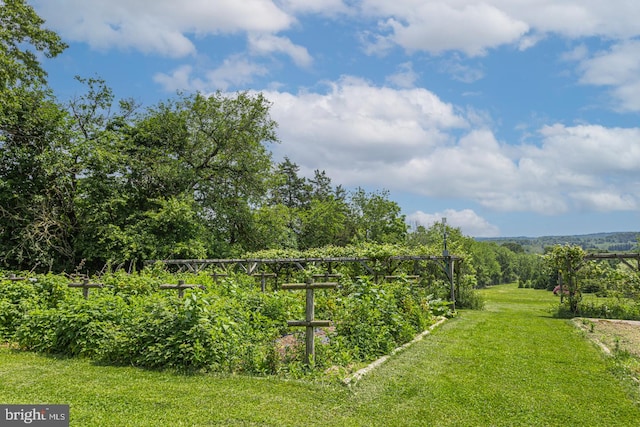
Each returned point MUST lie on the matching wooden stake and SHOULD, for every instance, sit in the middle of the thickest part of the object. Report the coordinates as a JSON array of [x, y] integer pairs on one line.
[[309, 322], [85, 285]]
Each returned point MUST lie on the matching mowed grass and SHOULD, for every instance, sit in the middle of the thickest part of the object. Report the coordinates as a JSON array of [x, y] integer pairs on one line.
[[509, 365]]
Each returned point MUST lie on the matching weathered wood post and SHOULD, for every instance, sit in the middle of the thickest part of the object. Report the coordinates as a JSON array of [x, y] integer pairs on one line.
[[309, 322], [449, 265], [181, 286], [217, 275], [85, 285], [263, 279]]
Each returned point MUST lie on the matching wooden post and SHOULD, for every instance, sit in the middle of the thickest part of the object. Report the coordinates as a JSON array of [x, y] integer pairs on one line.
[[309, 322], [450, 270], [263, 279], [216, 275], [85, 285], [181, 286]]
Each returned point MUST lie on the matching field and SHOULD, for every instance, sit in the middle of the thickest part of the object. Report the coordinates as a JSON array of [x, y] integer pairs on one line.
[[512, 364]]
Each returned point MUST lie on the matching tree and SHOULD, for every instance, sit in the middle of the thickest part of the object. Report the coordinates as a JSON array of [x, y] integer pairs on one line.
[[376, 218], [209, 148], [21, 27], [324, 223], [289, 189], [30, 134], [34, 194]]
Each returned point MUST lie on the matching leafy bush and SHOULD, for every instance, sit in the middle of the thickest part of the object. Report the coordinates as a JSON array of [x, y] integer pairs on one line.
[[230, 326]]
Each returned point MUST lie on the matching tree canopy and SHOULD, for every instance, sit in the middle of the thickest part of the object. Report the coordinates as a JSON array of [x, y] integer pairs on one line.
[[95, 180]]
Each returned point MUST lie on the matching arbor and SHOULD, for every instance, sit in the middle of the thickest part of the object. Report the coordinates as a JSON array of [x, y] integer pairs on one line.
[[567, 260]]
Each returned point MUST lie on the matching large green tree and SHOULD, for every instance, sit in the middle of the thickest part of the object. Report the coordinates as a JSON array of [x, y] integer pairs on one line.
[[22, 31], [211, 150], [30, 135], [376, 218]]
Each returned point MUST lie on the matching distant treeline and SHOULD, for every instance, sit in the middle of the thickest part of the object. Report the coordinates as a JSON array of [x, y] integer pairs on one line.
[[599, 242]]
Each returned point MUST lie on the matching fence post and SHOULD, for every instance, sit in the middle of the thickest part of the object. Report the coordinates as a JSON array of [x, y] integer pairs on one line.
[[309, 322], [181, 286], [85, 285]]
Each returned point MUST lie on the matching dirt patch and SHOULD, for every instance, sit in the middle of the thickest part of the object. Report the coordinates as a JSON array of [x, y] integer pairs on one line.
[[613, 335], [287, 345]]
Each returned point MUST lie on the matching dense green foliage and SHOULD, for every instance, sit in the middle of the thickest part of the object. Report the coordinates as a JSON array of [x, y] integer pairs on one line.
[[95, 181], [229, 326], [612, 286], [510, 365]]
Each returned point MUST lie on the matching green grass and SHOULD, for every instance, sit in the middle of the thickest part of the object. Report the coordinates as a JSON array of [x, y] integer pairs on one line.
[[509, 365]]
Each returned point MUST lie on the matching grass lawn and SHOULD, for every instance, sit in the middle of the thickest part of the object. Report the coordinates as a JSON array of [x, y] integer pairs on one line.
[[510, 365]]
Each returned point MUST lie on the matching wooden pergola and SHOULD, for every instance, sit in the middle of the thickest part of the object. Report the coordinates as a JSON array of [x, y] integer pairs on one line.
[[377, 268], [623, 257]]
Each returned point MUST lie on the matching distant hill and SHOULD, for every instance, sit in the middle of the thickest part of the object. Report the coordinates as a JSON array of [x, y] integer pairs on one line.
[[598, 242]]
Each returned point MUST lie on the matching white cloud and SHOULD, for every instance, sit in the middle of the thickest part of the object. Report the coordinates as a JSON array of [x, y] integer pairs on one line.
[[474, 27], [605, 201], [619, 68], [322, 7], [469, 222], [158, 26], [265, 44], [355, 124], [436, 27], [405, 77], [409, 140], [234, 71]]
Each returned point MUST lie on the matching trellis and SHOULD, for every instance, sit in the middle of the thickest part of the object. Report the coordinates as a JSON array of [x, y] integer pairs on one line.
[[257, 267], [623, 257]]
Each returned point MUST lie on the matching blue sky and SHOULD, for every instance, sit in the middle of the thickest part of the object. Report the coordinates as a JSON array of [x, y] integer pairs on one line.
[[510, 118]]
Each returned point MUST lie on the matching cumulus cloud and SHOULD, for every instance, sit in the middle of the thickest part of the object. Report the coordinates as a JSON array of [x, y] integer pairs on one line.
[[474, 27], [469, 222], [158, 26], [618, 68], [409, 140], [436, 27], [265, 44], [234, 71], [355, 123]]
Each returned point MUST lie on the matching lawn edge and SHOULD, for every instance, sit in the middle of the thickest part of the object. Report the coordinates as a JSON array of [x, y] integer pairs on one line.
[[358, 375]]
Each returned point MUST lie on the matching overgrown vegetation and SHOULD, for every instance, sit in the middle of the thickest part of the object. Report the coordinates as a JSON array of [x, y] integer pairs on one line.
[[509, 365], [97, 181], [606, 288], [229, 326]]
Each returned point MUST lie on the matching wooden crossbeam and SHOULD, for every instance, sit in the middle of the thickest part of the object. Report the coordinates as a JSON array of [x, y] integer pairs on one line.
[[14, 278], [263, 279], [309, 322], [181, 286], [85, 285], [217, 275]]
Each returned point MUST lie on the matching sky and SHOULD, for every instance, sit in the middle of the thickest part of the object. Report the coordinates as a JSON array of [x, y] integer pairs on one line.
[[507, 117]]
